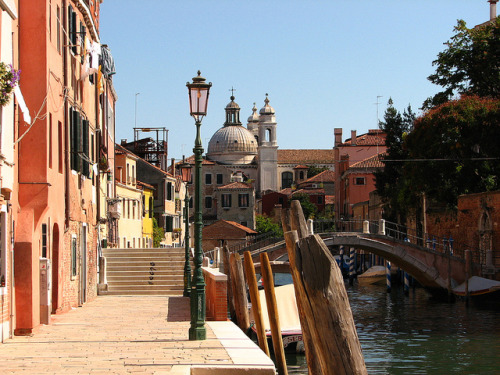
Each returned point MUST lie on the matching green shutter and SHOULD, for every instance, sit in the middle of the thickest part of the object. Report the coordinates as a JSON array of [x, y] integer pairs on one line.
[[85, 151]]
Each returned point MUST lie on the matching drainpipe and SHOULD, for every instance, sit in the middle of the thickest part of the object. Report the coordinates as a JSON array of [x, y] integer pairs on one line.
[[67, 170]]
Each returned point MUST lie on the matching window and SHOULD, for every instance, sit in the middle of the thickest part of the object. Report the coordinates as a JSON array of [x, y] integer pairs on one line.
[[190, 202], [44, 240], [72, 28], [208, 179], [243, 200], [286, 180], [226, 200], [208, 202], [50, 140], [151, 208], [73, 256], [320, 199], [58, 31], [60, 146], [169, 191], [359, 181], [169, 224], [79, 134], [220, 178], [301, 175]]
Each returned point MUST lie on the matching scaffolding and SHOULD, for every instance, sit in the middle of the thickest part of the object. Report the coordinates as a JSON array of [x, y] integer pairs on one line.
[[152, 149]]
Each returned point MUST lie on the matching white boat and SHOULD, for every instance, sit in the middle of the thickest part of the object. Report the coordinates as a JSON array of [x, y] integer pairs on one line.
[[291, 331], [478, 286], [373, 276]]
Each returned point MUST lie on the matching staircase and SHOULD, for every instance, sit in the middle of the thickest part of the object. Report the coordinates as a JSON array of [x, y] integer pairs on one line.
[[154, 271]]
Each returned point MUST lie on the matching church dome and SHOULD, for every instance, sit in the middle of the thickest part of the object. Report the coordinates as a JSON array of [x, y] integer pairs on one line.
[[267, 109], [232, 145]]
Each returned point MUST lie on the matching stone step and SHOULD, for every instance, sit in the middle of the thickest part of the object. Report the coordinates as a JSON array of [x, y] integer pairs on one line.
[[111, 252], [170, 293], [144, 254], [144, 263], [132, 281], [138, 276], [125, 288]]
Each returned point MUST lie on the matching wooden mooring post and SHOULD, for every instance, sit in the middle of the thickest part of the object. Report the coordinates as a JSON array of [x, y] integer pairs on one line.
[[239, 292], [255, 299], [324, 304], [272, 311]]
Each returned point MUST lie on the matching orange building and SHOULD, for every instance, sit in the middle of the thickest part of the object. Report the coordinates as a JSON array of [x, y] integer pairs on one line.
[[68, 91], [8, 193], [354, 186]]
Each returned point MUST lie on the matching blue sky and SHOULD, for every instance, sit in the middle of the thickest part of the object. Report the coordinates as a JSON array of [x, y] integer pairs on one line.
[[323, 63]]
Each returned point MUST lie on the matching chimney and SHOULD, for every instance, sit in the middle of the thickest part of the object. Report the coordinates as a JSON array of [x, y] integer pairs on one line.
[[338, 136], [353, 137], [172, 168], [493, 9]]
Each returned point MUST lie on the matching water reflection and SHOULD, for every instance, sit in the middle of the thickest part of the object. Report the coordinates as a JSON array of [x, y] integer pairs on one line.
[[419, 335]]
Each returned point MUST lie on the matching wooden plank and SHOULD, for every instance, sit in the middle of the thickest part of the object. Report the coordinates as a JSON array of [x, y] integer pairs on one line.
[[239, 292], [314, 361], [338, 344], [272, 310], [227, 271], [255, 299]]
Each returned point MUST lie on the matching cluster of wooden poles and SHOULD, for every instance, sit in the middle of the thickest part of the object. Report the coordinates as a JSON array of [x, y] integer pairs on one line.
[[328, 330]]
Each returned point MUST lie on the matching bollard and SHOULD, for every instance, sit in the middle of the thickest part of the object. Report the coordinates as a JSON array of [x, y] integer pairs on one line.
[[381, 227], [407, 284], [366, 226], [388, 275], [310, 226], [351, 266], [341, 250], [467, 275]]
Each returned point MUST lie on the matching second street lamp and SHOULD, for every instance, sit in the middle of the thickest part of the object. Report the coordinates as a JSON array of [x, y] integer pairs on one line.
[[198, 100], [186, 177]]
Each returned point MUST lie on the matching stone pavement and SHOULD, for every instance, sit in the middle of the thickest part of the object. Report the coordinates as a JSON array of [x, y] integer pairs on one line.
[[132, 334]]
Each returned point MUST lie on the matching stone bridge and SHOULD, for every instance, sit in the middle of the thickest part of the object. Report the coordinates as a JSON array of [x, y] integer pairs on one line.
[[429, 267]]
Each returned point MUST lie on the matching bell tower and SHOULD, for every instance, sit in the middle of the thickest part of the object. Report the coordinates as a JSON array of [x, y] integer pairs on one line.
[[267, 149]]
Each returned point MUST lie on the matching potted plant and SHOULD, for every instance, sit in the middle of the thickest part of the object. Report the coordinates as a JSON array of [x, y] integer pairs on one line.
[[9, 78]]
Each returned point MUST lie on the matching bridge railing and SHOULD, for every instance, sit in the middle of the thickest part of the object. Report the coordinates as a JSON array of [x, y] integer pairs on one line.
[[260, 241], [402, 233]]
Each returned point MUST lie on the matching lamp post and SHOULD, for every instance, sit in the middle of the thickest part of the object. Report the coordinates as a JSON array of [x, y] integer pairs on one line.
[[186, 177], [198, 100]]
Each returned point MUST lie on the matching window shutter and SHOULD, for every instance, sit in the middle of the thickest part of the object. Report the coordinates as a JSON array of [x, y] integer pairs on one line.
[[72, 28], [85, 151], [74, 138]]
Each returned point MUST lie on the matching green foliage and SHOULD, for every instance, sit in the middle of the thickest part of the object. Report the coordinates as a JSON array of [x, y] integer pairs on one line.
[[388, 181], [158, 234], [265, 224], [460, 141], [312, 170], [469, 64], [310, 210]]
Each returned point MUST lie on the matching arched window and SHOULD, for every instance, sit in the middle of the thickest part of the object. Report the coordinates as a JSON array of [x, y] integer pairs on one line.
[[268, 135], [286, 180]]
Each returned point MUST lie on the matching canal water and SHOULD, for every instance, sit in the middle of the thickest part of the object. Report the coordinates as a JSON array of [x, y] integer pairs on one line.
[[420, 335]]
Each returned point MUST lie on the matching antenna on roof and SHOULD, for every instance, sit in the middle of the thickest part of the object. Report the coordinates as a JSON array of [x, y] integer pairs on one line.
[[378, 121]]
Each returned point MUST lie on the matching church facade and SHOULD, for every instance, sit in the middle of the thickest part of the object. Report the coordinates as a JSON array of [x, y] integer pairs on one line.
[[244, 163]]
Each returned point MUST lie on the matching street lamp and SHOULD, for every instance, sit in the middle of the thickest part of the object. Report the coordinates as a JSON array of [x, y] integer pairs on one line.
[[198, 100], [186, 177]]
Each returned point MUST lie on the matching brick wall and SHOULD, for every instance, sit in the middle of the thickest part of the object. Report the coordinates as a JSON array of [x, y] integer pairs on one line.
[[216, 294]]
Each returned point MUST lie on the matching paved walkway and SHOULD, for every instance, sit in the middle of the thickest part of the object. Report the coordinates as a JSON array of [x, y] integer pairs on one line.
[[132, 334]]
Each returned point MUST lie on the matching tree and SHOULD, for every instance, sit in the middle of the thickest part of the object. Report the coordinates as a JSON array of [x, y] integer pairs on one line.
[[265, 224], [158, 234], [453, 150], [313, 170], [308, 208], [469, 65], [388, 181]]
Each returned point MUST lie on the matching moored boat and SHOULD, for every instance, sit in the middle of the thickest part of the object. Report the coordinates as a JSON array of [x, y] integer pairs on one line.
[[373, 276]]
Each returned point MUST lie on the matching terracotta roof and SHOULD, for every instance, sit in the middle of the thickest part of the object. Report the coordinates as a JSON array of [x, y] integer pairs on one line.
[[307, 156], [286, 191], [190, 160], [143, 184], [372, 138], [235, 185], [242, 227], [120, 150], [371, 162], [301, 167], [309, 191], [329, 199], [325, 176]]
